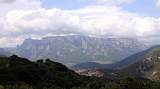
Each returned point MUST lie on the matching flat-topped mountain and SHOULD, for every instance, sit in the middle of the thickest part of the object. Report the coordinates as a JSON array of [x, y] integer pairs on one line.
[[74, 49]]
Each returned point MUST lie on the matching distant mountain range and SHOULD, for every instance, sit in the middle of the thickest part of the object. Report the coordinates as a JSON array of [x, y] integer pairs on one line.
[[75, 49]]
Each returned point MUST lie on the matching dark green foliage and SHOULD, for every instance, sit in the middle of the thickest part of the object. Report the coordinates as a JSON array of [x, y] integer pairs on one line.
[[20, 73], [15, 70]]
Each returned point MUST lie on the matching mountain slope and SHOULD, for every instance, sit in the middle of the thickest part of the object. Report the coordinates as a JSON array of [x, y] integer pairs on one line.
[[16, 70], [133, 58], [20, 73], [118, 65], [145, 64], [74, 49], [148, 66]]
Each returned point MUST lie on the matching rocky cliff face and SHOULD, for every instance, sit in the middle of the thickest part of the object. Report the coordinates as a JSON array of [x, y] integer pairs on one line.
[[75, 49]]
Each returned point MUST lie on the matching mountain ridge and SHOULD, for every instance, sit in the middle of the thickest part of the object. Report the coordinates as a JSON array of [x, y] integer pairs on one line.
[[75, 49], [118, 65], [146, 65]]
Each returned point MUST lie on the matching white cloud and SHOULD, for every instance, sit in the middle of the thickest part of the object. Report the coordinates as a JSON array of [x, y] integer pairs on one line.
[[158, 3], [113, 2], [10, 42], [18, 24], [8, 5], [40, 22], [7, 1]]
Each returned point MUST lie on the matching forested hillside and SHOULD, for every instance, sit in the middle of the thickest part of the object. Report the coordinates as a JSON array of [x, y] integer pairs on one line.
[[20, 73]]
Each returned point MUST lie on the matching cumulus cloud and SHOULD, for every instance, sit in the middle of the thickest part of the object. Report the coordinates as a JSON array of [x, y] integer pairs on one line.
[[95, 20], [9, 5], [19, 24], [40, 22]]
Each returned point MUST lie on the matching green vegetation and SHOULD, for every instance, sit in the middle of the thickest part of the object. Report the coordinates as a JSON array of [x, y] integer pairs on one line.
[[128, 83], [17, 71], [20, 73], [147, 65]]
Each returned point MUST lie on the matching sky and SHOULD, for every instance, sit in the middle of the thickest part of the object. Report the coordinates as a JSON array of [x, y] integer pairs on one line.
[[21, 19]]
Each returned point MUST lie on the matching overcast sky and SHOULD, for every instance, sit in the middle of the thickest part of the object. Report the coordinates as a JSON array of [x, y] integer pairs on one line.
[[21, 19]]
